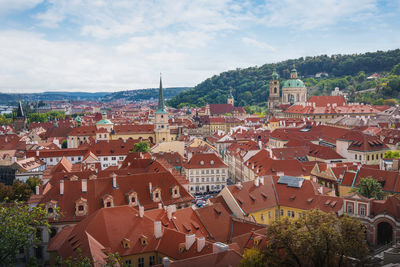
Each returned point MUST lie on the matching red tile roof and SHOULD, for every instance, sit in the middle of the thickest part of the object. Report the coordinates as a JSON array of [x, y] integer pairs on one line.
[[205, 160]]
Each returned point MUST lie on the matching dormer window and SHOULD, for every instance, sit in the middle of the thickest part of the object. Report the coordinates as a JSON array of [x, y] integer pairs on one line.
[[132, 199], [181, 247], [143, 240], [175, 192], [201, 162], [156, 195], [126, 243], [212, 162], [51, 208], [81, 207], [108, 201]]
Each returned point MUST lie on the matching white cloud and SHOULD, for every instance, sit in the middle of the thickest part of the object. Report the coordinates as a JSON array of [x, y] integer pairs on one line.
[[311, 14], [124, 44], [258, 44], [32, 63], [110, 19], [7, 6]]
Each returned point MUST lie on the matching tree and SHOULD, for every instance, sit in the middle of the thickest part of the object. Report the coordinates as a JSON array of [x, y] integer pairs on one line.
[[18, 226], [396, 69], [142, 146], [34, 181], [81, 260], [18, 191], [370, 188], [315, 239], [64, 144], [252, 258]]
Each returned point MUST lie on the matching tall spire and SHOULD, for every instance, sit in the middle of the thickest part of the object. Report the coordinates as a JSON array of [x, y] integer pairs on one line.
[[161, 105], [20, 111]]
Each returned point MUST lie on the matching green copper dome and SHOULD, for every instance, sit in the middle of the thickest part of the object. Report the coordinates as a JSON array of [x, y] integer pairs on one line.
[[78, 119], [293, 83], [104, 121]]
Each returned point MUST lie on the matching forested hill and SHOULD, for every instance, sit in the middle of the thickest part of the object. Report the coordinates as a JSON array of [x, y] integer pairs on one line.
[[250, 85], [144, 94]]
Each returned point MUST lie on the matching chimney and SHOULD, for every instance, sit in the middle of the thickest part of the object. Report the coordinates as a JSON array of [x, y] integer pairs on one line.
[[141, 211], [169, 212], [256, 182], [201, 242], [37, 153], [37, 190], [219, 247], [239, 185], [61, 187], [262, 180], [157, 229], [166, 262], [84, 185], [189, 240], [395, 166], [150, 187], [160, 206]]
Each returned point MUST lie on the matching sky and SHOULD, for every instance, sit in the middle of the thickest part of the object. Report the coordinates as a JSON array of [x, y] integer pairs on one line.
[[103, 45]]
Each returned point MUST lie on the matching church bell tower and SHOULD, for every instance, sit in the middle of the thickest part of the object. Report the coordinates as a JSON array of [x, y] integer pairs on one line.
[[274, 93], [161, 126]]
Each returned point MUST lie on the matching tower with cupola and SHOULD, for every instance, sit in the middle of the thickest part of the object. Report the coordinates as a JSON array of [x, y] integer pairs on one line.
[[161, 126], [274, 92], [231, 100]]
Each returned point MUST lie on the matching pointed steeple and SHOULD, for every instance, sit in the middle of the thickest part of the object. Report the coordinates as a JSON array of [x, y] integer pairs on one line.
[[20, 111], [161, 105]]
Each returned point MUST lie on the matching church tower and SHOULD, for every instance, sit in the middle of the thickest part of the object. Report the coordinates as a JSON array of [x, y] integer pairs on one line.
[[20, 119], [231, 100], [161, 125], [274, 97]]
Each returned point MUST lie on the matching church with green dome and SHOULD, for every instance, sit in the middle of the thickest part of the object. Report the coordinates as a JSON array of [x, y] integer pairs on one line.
[[293, 91]]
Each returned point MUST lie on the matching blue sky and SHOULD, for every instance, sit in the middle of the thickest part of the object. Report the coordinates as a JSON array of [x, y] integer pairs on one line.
[[102, 45]]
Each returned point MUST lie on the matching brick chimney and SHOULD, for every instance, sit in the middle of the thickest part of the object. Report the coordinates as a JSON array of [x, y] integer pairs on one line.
[[61, 187], [84, 185], [157, 229], [189, 240]]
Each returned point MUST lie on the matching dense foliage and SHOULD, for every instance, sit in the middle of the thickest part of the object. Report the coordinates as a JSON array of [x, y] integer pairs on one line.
[[142, 146], [250, 85], [392, 154], [315, 239], [18, 191], [5, 119], [145, 94], [45, 117], [18, 227], [370, 188]]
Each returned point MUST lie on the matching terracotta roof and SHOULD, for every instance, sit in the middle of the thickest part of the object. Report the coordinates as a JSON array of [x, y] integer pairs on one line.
[[323, 101], [101, 185], [252, 198], [134, 128], [205, 160], [108, 228]]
